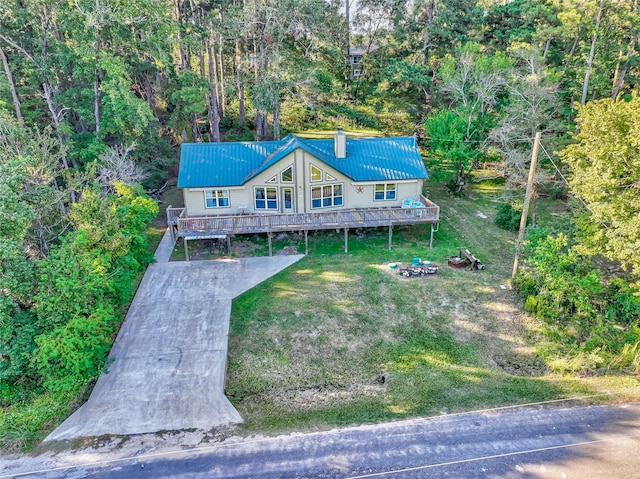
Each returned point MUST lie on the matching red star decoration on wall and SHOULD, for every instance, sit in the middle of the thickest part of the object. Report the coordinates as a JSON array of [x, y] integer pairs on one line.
[[359, 189]]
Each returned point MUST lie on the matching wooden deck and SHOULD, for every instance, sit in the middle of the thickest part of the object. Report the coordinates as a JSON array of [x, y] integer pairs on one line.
[[223, 226]]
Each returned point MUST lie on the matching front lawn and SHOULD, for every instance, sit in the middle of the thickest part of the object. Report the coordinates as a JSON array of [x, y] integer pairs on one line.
[[340, 339]]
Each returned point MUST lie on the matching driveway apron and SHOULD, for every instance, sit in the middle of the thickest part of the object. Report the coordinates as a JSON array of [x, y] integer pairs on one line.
[[167, 365]]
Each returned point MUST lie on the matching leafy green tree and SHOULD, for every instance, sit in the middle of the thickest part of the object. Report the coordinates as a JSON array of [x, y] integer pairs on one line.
[[518, 21], [86, 281], [449, 149], [605, 173], [446, 25], [474, 83], [17, 325]]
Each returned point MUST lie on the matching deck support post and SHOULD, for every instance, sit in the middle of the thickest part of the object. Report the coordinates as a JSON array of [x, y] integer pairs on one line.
[[186, 248], [270, 245], [228, 245], [306, 242], [431, 239], [346, 240], [390, 235]]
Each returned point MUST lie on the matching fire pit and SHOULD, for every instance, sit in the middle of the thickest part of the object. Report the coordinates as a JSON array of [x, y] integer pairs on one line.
[[409, 271]]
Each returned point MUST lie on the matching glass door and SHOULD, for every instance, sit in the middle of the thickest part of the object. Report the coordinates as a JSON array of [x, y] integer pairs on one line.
[[287, 199]]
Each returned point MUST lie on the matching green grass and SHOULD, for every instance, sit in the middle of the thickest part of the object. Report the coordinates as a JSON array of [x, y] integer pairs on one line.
[[26, 423], [310, 346]]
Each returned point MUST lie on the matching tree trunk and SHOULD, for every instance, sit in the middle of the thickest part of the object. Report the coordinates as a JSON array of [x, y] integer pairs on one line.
[[625, 68], [194, 128], [214, 113], [576, 40], [547, 45], [242, 112], [258, 134], [427, 31], [592, 52], [221, 76], [184, 60], [12, 86], [96, 101], [348, 33], [96, 81], [276, 120], [148, 90], [239, 71], [265, 125]]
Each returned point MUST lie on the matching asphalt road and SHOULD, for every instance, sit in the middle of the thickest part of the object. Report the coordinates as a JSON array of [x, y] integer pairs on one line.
[[534, 442]]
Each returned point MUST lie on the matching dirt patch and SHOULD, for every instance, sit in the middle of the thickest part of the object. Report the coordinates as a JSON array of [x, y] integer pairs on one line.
[[326, 395], [521, 365]]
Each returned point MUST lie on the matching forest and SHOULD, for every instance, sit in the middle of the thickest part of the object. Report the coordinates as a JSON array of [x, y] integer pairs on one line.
[[96, 97]]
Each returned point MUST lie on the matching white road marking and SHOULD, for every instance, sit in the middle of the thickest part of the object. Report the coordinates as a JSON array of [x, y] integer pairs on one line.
[[204, 449], [495, 456]]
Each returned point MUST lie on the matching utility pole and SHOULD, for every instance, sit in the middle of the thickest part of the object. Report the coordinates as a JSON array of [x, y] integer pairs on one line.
[[525, 208]]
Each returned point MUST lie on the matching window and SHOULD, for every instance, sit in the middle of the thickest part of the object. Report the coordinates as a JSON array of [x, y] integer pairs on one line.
[[357, 72], [273, 180], [316, 173], [385, 191], [324, 196], [328, 177], [287, 175], [266, 198], [216, 198]]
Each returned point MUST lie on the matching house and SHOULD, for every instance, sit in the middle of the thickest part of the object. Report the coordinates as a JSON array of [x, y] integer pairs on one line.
[[297, 184], [356, 55]]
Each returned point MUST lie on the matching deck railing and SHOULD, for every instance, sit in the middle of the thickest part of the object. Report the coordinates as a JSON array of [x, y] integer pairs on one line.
[[173, 214], [194, 227]]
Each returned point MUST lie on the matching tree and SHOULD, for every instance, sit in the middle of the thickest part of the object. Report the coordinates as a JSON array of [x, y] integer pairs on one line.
[[473, 82], [605, 173], [531, 107], [86, 281], [446, 25]]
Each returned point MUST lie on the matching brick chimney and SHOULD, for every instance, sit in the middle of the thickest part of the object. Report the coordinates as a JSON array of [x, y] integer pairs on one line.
[[340, 144]]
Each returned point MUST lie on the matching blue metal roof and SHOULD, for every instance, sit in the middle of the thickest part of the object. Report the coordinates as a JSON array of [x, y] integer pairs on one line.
[[235, 163]]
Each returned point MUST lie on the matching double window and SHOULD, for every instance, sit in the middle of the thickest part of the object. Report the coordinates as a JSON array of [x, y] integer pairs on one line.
[[325, 196], [216, 198], [266, 197], [384, 191]]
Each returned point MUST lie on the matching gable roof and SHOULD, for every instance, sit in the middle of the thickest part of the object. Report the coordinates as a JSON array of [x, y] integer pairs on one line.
[[235, 163]]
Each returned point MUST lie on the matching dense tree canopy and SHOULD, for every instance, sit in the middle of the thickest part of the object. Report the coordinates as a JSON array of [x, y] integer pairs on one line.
[[605, 174]]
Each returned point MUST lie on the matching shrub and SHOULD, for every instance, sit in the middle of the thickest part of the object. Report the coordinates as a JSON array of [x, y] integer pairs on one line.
[[592, 320], [508, 216]]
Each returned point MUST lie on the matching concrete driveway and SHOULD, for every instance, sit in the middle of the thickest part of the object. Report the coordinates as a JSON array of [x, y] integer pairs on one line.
[[169, 359]]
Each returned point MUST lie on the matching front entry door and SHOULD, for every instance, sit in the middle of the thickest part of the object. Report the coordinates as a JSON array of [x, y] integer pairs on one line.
[[287, 199]]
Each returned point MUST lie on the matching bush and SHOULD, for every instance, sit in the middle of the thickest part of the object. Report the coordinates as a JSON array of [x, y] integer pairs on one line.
[[508, 216], [592, 320]]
